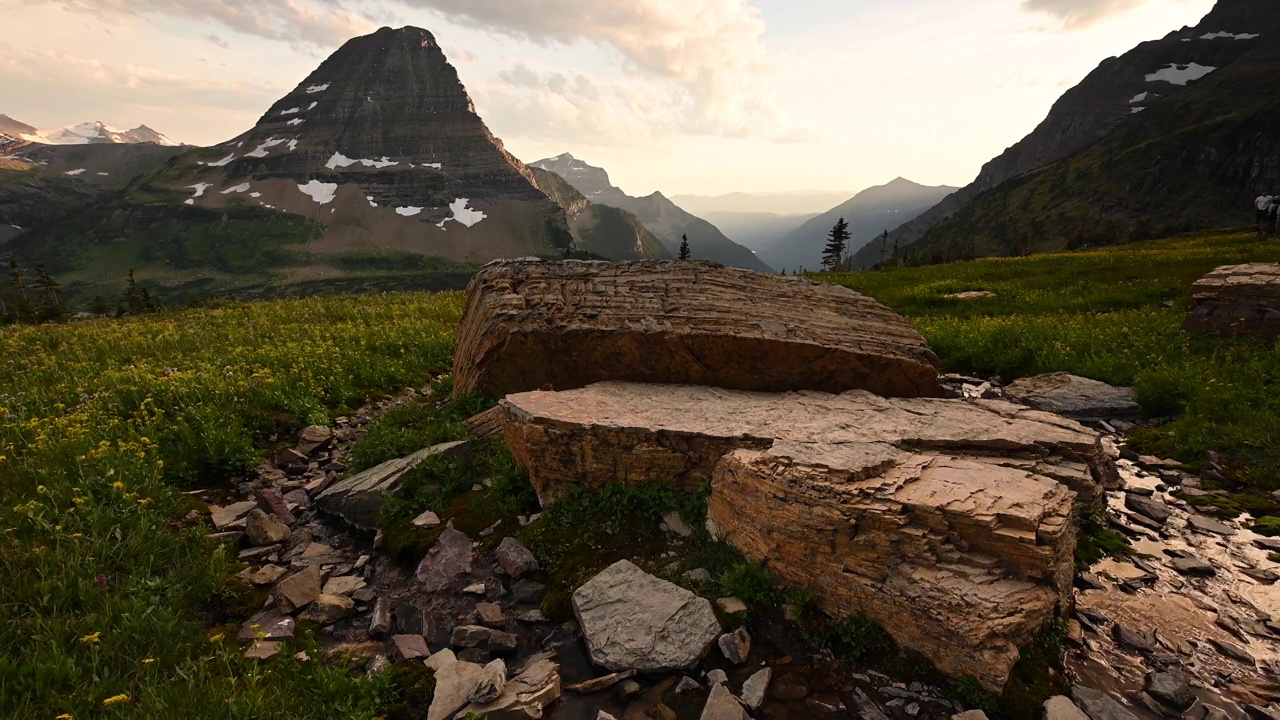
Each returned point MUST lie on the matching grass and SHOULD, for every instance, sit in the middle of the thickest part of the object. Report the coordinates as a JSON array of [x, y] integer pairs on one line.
[[111, 603], [1113, 314]]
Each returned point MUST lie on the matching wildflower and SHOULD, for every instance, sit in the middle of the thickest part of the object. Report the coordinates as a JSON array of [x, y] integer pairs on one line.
[[78, 501], [76, 536], [115, 700], [117, 485], [42, 490], [160, 464], [216, 637], [91, 638], [65, 716], [148, 660], [144, 501]]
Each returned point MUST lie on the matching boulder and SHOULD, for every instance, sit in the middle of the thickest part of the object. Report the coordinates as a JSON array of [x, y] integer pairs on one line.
[[524, 697], [328, 609], [492, 680], [300, 589], [455, 681], [314, 438], [1075, 397], [410, 647], [565, 325], [755, 688], [722, 705], [449, 559], [1172, 689], [1060, 707], [358, 498], [633, 620], [1100, 706], [514, 558], [631, 432], [1237, 300]]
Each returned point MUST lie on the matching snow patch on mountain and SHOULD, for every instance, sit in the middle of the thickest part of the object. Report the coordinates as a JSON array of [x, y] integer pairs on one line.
[[98, 132], [317, 88], [296, 121], [262, 149], [322, 193], [1229, 36], [461, 213], [1139, 97], [1180, 74], [221, 163], [341, 161], [408, 211], [242, 187], [73, 173]]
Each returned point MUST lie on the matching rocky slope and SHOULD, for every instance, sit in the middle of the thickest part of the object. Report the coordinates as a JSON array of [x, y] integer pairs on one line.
[[13, 128], [602, 231], [376, 163], [1123, 93], [94, 133], [869, 214], [662, 217]]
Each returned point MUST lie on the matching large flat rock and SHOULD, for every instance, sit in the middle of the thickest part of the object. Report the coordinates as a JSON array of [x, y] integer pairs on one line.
[[359, 498], [562, 325], [952, 523], [637, 433], [1075, 397], [1237, 300]]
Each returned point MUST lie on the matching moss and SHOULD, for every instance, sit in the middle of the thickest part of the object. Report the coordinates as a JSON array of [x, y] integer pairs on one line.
[[236, 600], [413, 687], [1274, 557], [1268, 526], [1096, 541]]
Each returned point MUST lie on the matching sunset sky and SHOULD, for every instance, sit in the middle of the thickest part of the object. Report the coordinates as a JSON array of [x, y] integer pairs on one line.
[[682, 96]]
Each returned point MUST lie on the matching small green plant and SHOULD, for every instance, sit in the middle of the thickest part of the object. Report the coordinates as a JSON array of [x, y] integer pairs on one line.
[[1096, 541], [1267, 526], [424, 421]]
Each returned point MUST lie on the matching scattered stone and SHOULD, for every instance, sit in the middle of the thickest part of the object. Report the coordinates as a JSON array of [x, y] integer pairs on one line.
[[601, 683], [514, 558], [736, 646], [262, 650], [1147, 507], [344, 585], [1060, 707], [470, 636], [328, 609], [268, 575], [1265, 577], [486, 424], [427, 519], [298, 498], [1075, 633], [1099, 706], [687, 684], [1193, 566], [476, 589], [1210, 526], [629, 689], [755, 688], [731, 605], [1233, 651], [1090, 581], [825, 704], [633, 620], [526, 696], [530, 325], [490, 684], [717, 677], [866, 708], [528, 591], [455, 681], [380, 620], [673, 523], [411, 647], [490, 614], [722, 705], [268, 625], [1171, 688], [1237, 300], [501, 642], [971, 295], [531, 617], [359, 498], [1132, 639], [1075, 397], [314, 438], [230, 516], [698, 575], [1271, 544], [300, 589], [449, 559], [377, 665]]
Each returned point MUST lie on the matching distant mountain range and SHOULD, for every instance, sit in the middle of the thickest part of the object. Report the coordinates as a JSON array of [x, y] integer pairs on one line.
[[82, 134], [756, 230], [375, 172], [662, 217], [795, 202], [869, 214], [1180, 133]]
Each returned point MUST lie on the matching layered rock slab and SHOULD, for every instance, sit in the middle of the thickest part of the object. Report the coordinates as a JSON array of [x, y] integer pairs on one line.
[[952, 523], [1237, 300], [562, 325], [358, 499]]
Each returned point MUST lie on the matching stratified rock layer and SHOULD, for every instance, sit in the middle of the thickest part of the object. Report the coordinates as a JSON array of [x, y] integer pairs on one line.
[[563, 325], [1075, 397], [1238, 300], [951, 523]]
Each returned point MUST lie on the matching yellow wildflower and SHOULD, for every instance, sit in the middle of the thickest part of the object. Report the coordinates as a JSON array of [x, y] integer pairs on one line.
[[144, 501], [216, 637], [117, 485], [115, 700], [78, 501], [65, 716], [148, 661], [92, 638]]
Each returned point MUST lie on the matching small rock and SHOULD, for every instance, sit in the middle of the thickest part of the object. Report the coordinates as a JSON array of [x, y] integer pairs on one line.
[[629, 689], [264, 529], [531, 617], [1132, 639], [470, 636], [1100, 706], [449, 559], [736, 646], [755, 688], [475, 589], [1172, 689], [380, 620], [314, 438], [722, 705], [491, 682], [1075, 632], [269, 625], [731, 605], [1210, 526], [970, 715], [328, 609], [270, 500], [490, 614], [1265, 577], [1232, 651], [268, 575], [262, 650], [300, 589], [601, 683], [528, 591], [673, 523], [345, 585], [1152, 509], [1193, 566], [501, 642], [231, 515], [1268, 543], [717, 677], [301, 656], [364, 595], [410, 647], [825, 704], [377, 665], [514, 558], [1060, 707], [1090, 581], [698, 575], [687, 684], [427, 519]]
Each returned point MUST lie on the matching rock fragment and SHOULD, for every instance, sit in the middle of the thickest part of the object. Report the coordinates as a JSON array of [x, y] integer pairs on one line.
[[300, 589], [1100, 706], [359, 498], [1171, 688], [755, 688], [328, 609], [1237, 300], [736, 646], [449, 559], [1075, 397], [410, 647], [514, 558], [1060, 707], [722, 705], [490, 683]]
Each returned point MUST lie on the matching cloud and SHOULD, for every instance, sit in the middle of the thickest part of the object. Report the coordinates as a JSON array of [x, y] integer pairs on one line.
[[1078, 14], [211, 37], [300, 22]]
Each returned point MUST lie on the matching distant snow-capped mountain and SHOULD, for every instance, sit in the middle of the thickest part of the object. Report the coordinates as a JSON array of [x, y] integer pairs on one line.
[[97, 132]]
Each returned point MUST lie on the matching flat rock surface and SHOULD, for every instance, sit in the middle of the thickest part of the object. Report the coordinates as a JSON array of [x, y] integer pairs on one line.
[[359, 498], [632, 620], [632, 432], [564, 325], [1075, 397], [1237, 300]]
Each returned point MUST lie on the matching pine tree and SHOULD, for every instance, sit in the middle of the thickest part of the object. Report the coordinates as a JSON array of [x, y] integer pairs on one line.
[[833, 254], [137, 299], [51, 308], [685, 253], [20, 302], [99, 305]]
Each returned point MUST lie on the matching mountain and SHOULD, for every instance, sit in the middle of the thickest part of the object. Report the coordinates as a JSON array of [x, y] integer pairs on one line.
[[95, 133], [13, 128], [1122, 93], [600, 230], [795, 202], [374, 168], [869, 214], [662, 217], [756, 230]]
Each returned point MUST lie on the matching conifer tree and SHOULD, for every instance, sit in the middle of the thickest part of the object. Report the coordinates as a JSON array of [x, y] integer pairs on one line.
[[833, 254], [51, 308], [19, 302], [685, 253]]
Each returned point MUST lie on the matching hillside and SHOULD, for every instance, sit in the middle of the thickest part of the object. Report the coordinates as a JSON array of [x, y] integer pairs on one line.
[[756, 230], [600, 230], [662, 217], [374, 167], [869, 214], [795, 202], [1118, 94]]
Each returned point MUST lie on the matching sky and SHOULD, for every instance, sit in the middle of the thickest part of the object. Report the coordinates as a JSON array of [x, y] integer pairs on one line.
[[680, 96]]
